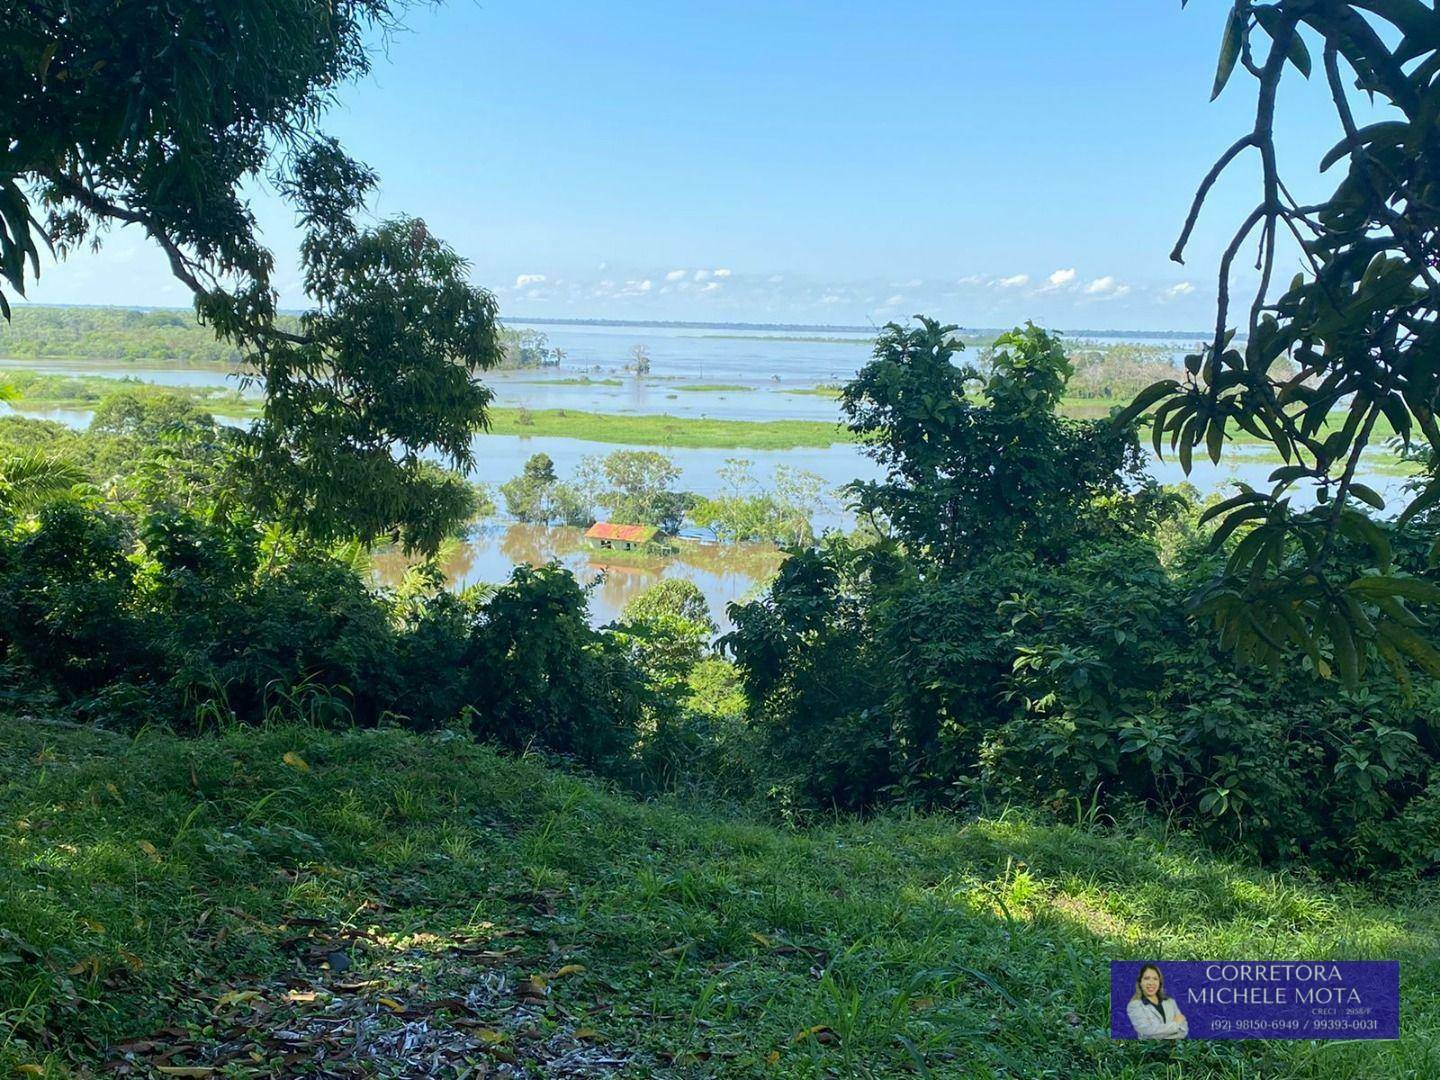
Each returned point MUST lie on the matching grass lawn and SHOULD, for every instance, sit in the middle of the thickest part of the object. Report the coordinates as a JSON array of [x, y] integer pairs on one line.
[[271, 903]]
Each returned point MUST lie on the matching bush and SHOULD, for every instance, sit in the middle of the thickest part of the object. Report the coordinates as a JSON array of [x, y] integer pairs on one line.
[[874, 683], [192, 619]]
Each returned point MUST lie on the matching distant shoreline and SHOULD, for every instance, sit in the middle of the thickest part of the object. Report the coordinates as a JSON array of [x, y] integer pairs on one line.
[[827, 328], [673, 324]]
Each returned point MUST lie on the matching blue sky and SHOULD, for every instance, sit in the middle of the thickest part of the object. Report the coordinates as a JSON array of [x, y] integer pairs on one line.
[[798, 162]]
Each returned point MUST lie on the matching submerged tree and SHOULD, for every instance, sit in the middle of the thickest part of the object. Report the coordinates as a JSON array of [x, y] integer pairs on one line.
[[1359, 322], [157, 117]]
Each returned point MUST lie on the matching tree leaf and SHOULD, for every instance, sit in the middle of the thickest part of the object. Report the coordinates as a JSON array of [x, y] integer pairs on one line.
[[1143, 400], [1229, 49], [1368, 495]]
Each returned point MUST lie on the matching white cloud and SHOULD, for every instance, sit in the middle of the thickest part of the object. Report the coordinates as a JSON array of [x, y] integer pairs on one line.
[[722, 272], [1062, 277], [712, 286], [529, 279], [701, 275], [896, 299], [675, 275], [776, 279], [603, 267], [830, 298], [1014, 282], [1106, 288], [1184, 288], [974, 279], [913, 283]]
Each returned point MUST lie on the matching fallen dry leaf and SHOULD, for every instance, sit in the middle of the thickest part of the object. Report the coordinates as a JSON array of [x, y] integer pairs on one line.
[[821, 1033], [295, 761]]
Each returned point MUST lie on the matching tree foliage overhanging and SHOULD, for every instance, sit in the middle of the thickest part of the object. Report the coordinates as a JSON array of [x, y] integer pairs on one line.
[[1359, 322], [160, 117]]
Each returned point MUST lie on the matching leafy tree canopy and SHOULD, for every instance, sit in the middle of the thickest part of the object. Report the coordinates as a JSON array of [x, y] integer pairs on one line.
[[970, 473], [1359, 322], [157, 116]]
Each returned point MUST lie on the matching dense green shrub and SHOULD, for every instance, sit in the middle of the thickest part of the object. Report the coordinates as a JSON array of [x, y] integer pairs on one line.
[[1018, 627], [1078, 684], [194, 618]]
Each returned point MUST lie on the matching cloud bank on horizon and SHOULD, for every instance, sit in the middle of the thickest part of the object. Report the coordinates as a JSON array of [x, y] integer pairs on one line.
[[128, 271]]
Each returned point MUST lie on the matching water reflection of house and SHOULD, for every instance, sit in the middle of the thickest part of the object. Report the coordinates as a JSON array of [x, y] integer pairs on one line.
[[613, 537]]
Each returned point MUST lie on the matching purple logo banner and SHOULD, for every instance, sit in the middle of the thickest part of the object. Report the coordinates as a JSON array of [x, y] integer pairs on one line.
[[1255, 999]]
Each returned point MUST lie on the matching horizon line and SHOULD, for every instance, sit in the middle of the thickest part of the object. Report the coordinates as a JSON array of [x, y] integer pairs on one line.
[[677, 324]]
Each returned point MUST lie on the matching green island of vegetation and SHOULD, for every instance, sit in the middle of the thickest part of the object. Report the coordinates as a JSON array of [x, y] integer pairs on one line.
[[663, 430], [715, 388], [578, 380]]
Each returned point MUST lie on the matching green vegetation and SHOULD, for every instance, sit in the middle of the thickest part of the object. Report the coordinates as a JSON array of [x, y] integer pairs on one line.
[[716, 388], [376, 380], [232, 887], [82, 391], [117, 336], [1016, 627], [664, 430], [779, 512], [630, 487], [537, 495], [88, 391], [263, 817], [582, 380], [1347, 346]]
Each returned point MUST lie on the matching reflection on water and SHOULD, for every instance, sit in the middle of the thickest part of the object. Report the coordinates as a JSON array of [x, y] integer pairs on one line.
[[724, 572]]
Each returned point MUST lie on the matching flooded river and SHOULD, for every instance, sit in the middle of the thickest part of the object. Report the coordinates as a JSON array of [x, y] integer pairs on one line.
[[739, 376], [724, 572]]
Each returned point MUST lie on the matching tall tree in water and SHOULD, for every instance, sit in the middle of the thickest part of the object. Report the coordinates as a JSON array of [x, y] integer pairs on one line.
[[1359, 323], [159, 117]]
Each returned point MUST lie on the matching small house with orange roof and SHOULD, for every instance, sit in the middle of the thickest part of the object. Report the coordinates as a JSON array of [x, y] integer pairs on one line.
[[613, 537]]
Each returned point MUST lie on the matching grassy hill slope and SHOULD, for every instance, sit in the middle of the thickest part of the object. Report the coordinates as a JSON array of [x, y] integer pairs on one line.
[[376, 903]]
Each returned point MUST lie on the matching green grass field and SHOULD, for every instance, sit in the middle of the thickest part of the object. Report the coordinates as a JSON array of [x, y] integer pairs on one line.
[[262, 903]]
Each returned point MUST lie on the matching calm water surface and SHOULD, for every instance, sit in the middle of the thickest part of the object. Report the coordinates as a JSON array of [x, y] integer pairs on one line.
[[724, 572]]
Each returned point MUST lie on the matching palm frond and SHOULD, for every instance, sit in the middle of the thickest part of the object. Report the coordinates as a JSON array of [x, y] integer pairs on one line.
[[30, 478]]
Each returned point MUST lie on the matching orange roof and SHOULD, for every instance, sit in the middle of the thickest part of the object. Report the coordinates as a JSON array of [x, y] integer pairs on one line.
[[635, 534]]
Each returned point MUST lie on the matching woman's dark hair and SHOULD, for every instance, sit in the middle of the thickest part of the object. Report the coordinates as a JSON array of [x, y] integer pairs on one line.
[[1160, 994]]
